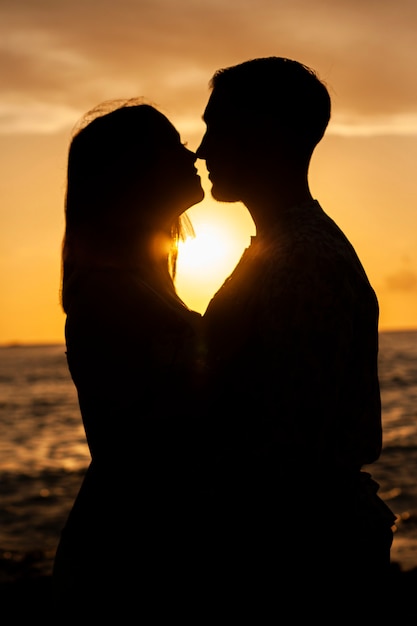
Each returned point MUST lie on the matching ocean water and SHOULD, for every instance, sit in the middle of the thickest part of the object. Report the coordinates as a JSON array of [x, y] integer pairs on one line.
[[43, 452]]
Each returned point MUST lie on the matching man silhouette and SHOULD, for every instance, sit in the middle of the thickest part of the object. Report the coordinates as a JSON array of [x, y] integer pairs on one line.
[[292, 351]]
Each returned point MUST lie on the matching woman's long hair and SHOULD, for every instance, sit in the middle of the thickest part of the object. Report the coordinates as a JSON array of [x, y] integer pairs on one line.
[[112, 151]]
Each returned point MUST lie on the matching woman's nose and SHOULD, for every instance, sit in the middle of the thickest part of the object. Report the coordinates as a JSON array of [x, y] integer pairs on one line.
[[200, 152], [191, 155]]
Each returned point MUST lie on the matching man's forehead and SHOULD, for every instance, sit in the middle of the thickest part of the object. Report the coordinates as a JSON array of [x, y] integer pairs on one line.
[[222, 106]]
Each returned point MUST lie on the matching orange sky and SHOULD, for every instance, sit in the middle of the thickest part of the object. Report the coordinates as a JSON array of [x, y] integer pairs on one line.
[[58, 59]]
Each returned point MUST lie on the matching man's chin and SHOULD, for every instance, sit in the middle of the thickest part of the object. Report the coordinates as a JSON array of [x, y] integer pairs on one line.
[[222, 194]]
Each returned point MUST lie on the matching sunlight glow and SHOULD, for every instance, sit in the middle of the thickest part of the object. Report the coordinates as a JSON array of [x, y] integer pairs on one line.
[[204, 262], [207, 252]]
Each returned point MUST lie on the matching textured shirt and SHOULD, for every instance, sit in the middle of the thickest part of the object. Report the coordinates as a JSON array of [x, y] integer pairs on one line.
[[292, 341]]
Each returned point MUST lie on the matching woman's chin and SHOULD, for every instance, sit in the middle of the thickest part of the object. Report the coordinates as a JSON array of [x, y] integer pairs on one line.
[[197, 197]]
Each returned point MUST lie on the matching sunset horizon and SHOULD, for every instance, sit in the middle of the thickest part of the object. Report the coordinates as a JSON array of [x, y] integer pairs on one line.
[[59, 61]]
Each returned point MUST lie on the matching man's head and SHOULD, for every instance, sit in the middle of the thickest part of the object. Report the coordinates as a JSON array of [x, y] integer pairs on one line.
[[262, 114]]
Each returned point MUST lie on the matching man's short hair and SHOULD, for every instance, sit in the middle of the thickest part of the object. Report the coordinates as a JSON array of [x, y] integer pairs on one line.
[[281, 89]]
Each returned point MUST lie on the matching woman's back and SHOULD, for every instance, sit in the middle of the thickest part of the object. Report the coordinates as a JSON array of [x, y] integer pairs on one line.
[[133, 356], [133, 353]]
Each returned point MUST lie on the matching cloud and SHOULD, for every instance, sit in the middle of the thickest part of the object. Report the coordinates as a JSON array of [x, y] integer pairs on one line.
[[35, 118], [403, 280], [57, 58], [377, 125]]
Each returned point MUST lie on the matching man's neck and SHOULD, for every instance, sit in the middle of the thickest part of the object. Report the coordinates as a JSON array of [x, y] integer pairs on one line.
[[266, 208]]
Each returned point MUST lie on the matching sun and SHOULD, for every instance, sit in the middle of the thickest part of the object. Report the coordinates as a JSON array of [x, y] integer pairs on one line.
[[206, 252], [206, 260]]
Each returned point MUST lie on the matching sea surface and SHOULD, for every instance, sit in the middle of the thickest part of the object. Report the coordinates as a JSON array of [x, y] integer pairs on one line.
[[43, 451]]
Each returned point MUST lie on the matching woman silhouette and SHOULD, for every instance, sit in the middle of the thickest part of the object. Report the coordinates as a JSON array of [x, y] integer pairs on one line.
[[133, 351]]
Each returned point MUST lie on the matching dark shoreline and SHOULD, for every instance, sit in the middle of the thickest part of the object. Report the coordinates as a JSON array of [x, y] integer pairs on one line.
[[26, 593]]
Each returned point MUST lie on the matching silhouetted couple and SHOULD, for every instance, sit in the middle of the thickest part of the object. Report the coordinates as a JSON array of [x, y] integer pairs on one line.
[[226, 449]]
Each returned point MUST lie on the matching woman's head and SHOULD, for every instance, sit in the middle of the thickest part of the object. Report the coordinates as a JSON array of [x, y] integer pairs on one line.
[[129, 179], [129, 176], [120, 161]]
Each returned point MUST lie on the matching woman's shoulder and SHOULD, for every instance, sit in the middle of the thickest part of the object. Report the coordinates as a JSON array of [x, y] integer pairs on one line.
[[102, 289], [107, 299]]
